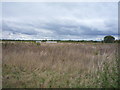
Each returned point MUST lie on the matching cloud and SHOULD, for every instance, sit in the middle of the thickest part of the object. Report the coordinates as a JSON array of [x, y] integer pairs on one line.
[[59, 20]]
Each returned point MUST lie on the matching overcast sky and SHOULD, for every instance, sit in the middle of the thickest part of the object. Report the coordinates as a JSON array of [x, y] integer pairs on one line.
[[70, 21]]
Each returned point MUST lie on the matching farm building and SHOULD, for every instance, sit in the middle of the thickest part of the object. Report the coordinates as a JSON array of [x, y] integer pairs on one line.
[[38, 41], [51, 41]]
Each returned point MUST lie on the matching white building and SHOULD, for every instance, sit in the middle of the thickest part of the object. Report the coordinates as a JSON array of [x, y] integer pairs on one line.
[[51, 41], [38, 41]]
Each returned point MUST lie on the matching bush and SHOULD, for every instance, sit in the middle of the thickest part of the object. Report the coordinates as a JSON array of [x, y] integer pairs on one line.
[[109, 39]]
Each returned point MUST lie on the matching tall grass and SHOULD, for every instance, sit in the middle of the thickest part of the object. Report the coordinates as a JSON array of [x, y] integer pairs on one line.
[[60, 65]]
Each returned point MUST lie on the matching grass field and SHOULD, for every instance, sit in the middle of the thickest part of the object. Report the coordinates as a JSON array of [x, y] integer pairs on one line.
[[59, 65]]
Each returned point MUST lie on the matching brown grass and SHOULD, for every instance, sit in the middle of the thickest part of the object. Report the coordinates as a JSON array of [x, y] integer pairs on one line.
[[54, 65]]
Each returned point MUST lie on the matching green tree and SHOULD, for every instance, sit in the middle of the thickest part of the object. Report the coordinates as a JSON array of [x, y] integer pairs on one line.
[[109, 39]]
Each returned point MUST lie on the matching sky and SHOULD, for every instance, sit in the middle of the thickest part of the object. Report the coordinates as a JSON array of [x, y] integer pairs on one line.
[[59, 20]]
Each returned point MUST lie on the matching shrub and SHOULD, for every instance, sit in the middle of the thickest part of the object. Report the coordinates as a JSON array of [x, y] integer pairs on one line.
[[109, 39]]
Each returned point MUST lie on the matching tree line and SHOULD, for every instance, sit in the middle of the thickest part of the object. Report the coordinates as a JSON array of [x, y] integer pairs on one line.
[[107, 39]]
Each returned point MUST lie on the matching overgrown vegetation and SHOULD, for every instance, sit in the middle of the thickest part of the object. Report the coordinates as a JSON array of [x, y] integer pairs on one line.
[[60, 65]]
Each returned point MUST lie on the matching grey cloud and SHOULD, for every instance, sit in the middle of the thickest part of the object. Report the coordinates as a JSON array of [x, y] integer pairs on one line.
[[16, 29], [59, 30], [62, 29]]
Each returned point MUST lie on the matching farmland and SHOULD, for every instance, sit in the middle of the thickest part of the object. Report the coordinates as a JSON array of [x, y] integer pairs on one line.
[[59, 65]]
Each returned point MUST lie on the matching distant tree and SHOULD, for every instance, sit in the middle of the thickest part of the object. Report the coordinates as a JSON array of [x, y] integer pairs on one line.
[[117, 41], [109, 39]]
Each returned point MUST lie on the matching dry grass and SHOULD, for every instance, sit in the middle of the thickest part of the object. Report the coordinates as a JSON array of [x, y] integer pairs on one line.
[[55, 65]]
